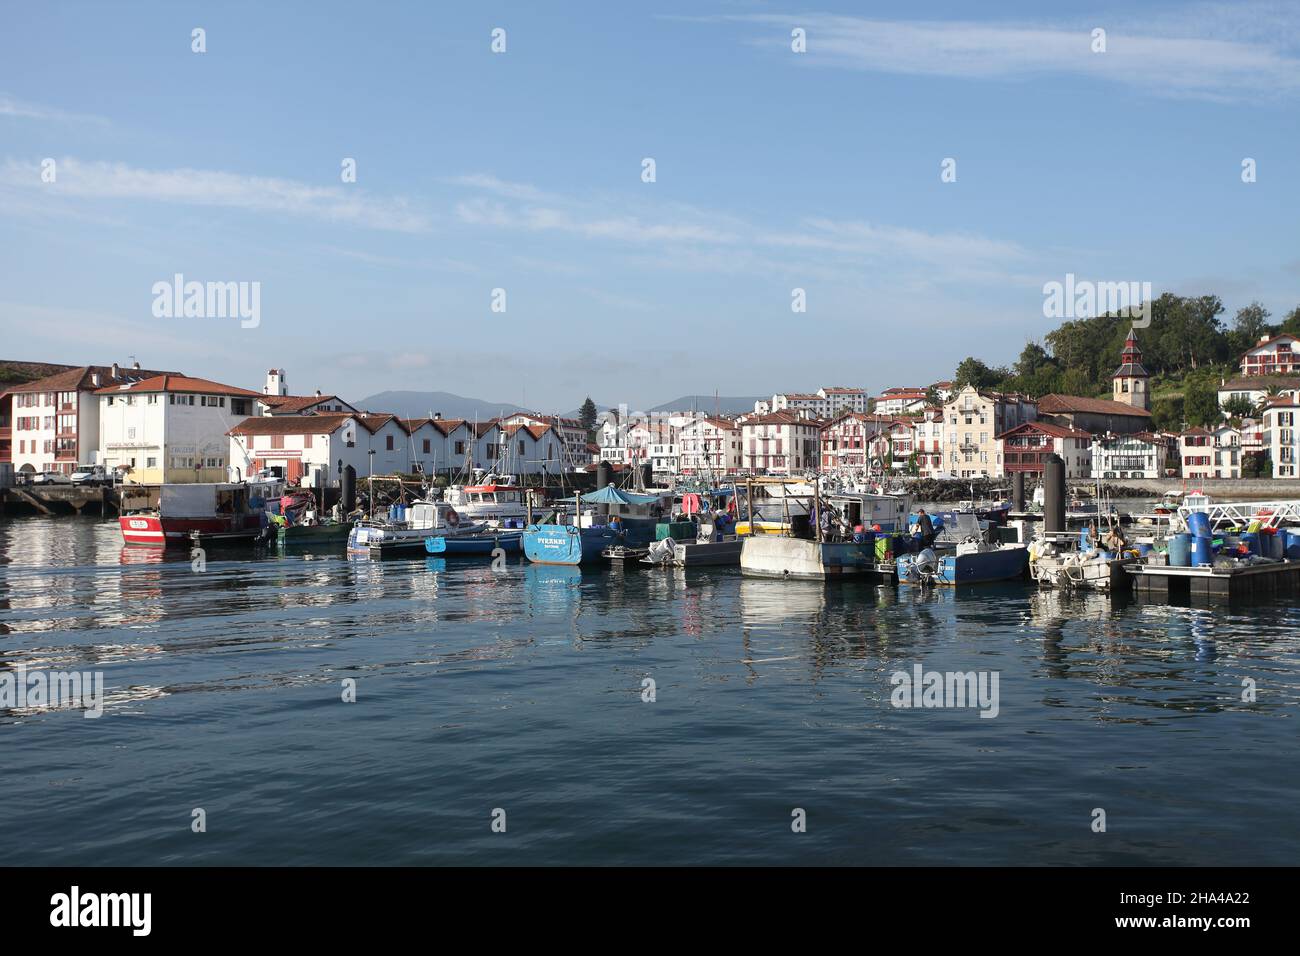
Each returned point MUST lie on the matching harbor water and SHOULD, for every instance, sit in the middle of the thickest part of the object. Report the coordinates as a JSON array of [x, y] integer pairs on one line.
[[522, 694]]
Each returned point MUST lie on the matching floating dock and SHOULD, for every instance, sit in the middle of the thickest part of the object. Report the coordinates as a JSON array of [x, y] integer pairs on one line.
[[1165, 583]]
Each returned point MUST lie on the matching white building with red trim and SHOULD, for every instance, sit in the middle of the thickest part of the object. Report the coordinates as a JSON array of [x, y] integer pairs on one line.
[[1271, 355], [1026, 448], [780, 443], [710, 446]]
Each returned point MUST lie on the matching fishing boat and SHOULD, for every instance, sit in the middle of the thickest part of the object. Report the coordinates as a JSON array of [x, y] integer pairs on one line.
[[710, 551], [485, 543], [601, 519], [831, 541], [494, 499], [1062, 560], [406, 527], [974, 562], [202, 513], [298, 523]]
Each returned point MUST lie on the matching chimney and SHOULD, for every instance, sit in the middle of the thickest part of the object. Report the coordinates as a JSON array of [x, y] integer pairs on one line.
[[318, 393], [437, 416], [116, 370], [94, 379], [135, 365]]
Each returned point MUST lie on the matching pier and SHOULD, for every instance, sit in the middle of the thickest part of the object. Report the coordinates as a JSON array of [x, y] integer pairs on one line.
[[1214, 584]]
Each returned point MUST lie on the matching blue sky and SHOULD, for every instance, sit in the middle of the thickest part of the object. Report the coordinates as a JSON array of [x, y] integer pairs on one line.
[[522, 171]]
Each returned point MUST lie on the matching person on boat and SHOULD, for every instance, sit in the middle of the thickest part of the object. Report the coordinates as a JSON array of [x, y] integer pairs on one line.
[[925, 527]]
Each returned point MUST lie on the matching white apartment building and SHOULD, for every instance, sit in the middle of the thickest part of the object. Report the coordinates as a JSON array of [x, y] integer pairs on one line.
[[710, 446], [170, 428], [824, 403], [1272, 355], [52, 423], [900, 401], [780, 443], [927, 435], [1281, 433]]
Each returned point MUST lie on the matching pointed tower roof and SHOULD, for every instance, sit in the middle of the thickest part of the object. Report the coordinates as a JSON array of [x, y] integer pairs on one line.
[[1131, 359]]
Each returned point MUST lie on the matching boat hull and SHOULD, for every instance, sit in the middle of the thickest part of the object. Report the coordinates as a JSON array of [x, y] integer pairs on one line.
[[712, 553], [979, 567], [771, 556], [565, 544], [510, 543], [303, 535], [154, 531]]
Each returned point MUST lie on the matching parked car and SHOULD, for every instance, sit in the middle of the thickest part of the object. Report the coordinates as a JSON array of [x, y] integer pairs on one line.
[[51, 478], [89, 476]]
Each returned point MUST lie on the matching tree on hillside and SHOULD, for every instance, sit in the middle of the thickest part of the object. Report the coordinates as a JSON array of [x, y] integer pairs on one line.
[[587, 414], [1200, 403], [972, 371], [1251, 321], [1291, 322]]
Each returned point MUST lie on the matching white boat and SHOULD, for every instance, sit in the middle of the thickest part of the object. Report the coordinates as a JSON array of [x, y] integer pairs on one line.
[[1059, 562], [406, 529], [493, 499]]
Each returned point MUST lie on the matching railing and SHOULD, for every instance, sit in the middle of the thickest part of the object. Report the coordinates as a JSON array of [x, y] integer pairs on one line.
[[1270, 514]]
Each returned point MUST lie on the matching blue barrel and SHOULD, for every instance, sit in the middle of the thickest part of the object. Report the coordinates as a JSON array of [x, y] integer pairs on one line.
[[1251, 541], [1292, 544], [1198, 524], [1143, 548], [1180, 551], [1202, 552]]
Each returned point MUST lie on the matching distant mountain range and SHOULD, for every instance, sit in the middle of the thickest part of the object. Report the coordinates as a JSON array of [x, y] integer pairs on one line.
[[421, 404]]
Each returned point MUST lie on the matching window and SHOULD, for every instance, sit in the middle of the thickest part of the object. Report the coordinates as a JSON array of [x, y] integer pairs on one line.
[[277, 441], [388, 442], [151, 462], [306, 441], [426, 446], [460, 448]]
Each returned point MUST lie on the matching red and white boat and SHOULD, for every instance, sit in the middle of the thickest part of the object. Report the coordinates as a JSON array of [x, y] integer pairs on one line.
[[201, 513]]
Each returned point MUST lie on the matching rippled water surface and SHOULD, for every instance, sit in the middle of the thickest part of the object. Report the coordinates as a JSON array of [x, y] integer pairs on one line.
[[522, 690]]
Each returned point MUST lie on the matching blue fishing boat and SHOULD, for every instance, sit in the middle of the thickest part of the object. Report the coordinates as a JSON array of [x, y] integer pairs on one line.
[[566, 544], [474, 544], [972, 564]]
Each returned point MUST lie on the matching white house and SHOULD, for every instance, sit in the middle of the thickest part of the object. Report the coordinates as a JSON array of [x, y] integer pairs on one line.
[[900, 401], [570, 431], [170, 428], [1280, 434], [665, 459], [1136, 455], [780, 443], [1271, 355], [314, 449], [710, 446]]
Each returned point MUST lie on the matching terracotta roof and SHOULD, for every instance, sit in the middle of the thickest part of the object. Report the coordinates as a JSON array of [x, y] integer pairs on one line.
[[1065, 404], [291, 404], [170, 382], [782, 417], [1198, 430], [842, 390], [444, 425], [1259, 383], [1272, 339], [290, 425], [1047, 428], [79, 378]]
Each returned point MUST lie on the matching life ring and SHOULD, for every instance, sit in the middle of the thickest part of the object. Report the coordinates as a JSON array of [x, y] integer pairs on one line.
[[453, 519]]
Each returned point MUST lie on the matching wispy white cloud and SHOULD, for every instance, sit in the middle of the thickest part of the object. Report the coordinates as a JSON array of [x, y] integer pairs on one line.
[[1203, 50], [76, 179], [685, 237], [20, 109]]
